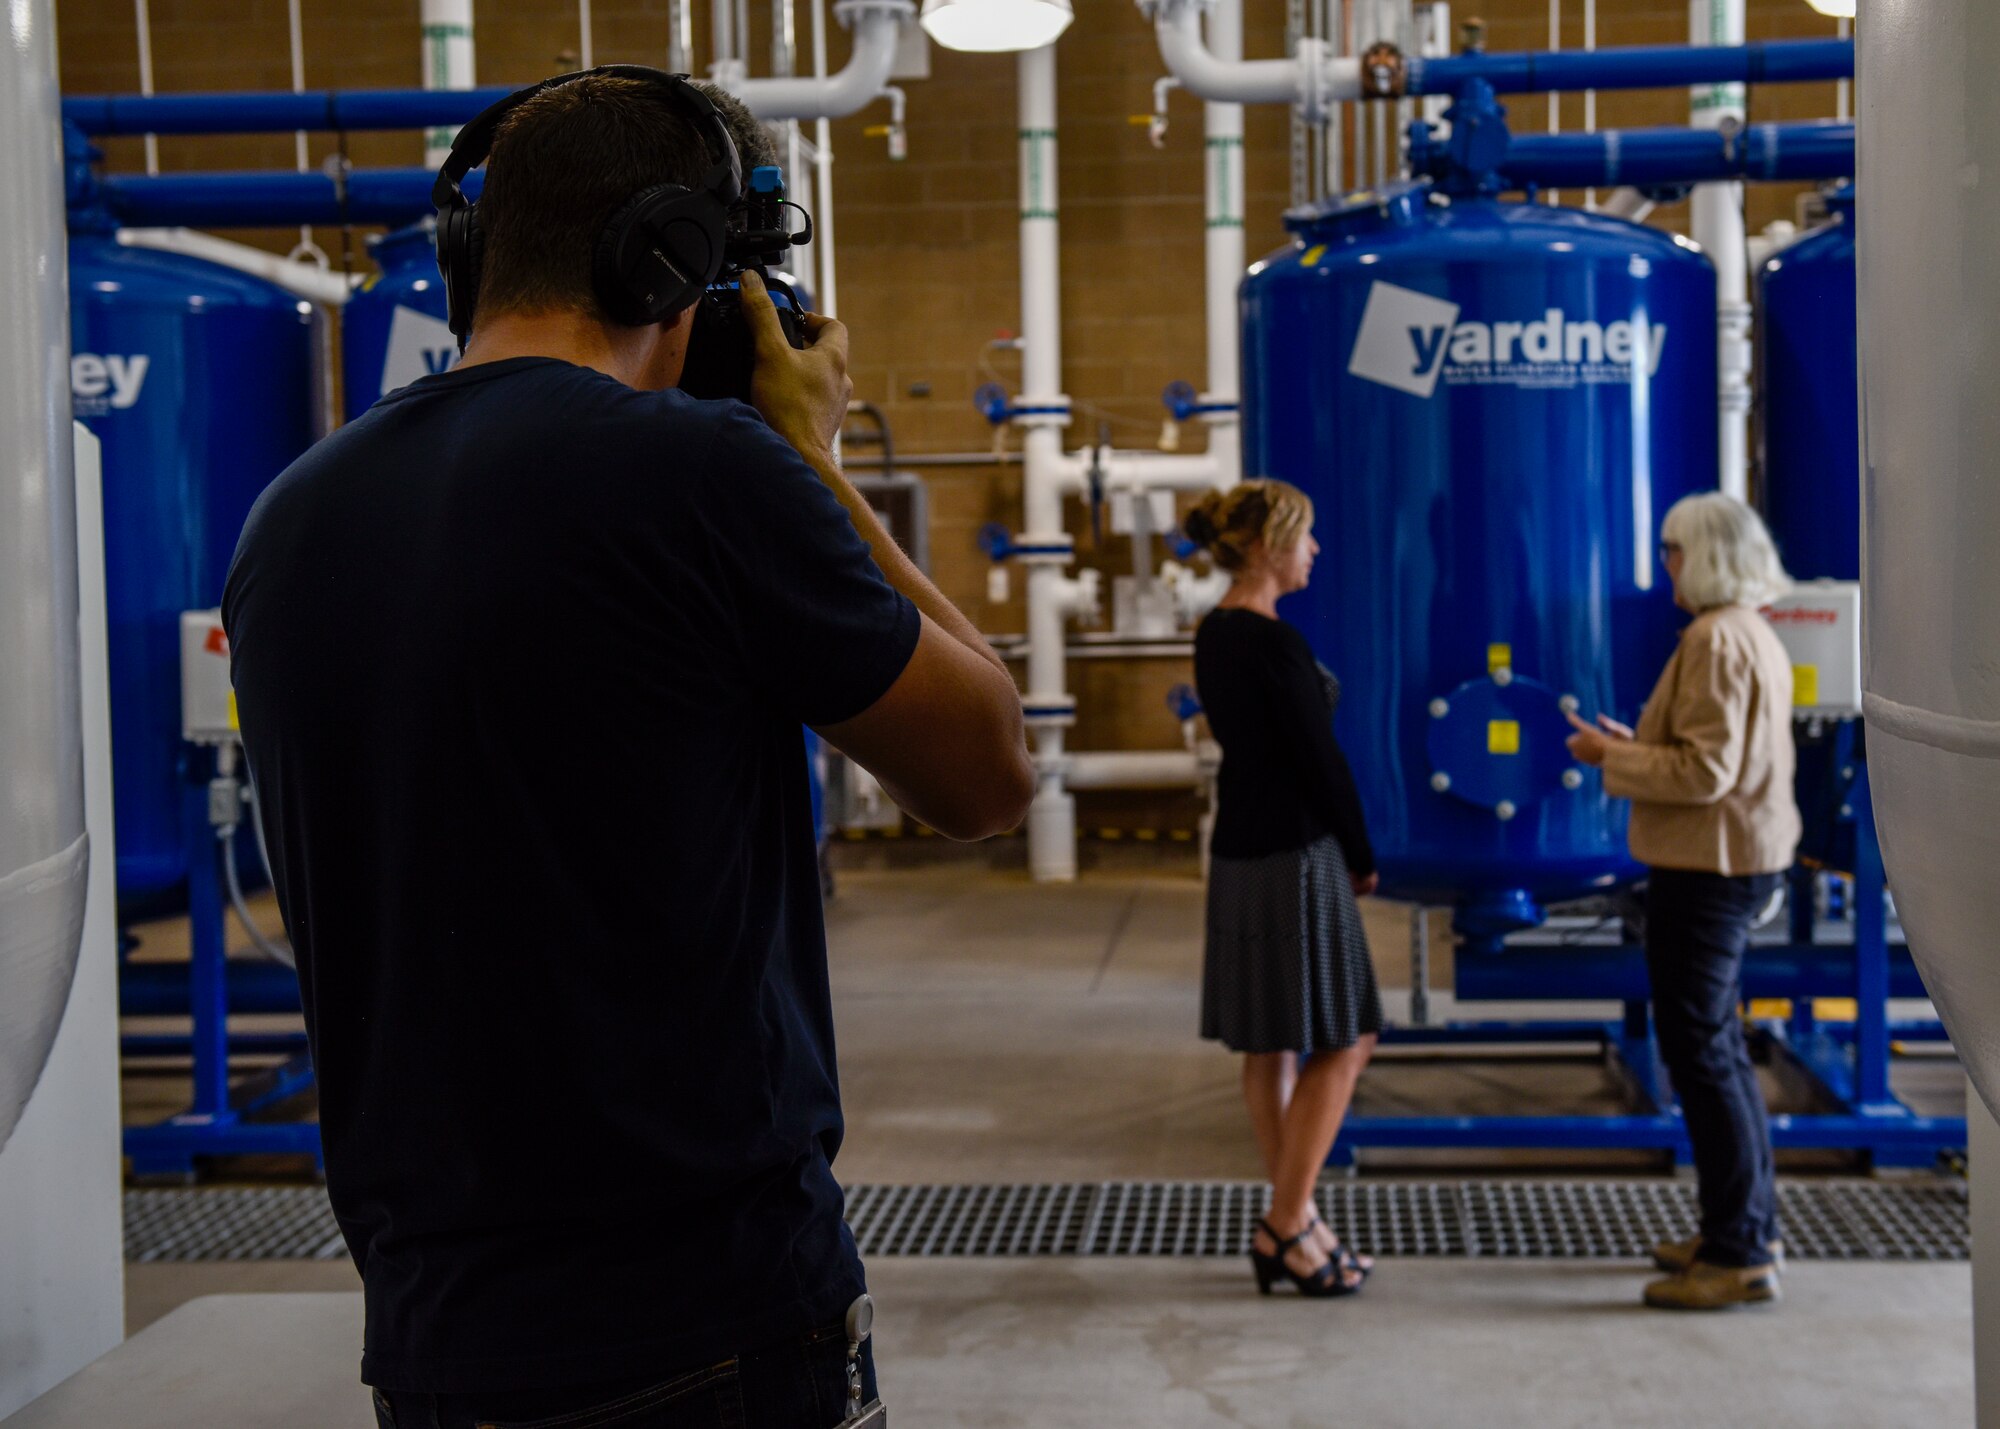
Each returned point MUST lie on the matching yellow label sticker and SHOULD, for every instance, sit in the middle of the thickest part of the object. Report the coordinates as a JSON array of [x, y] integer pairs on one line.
[[1499, 657], [232, 712], [1312, 255], [1503, 736], [1805, 684]]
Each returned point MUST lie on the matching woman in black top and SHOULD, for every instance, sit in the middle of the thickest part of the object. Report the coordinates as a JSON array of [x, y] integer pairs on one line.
[[1287, 973]]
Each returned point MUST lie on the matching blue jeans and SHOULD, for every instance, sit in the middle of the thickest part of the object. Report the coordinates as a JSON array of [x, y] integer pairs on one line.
[[1697, 925], [801, 1384]]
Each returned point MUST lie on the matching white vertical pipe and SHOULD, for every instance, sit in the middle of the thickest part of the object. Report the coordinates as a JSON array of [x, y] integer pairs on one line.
[[1590, 95], [721, 40], [1843, 91], [829, 297], [44, 851], [1718, 228], [680, 37], [1223, 256], [586, 47], [142, 17], [1555, 97], [1052, 816], [447, 58]]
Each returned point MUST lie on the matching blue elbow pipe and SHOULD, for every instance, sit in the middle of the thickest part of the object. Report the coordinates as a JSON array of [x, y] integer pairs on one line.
[[324, 109], [258, 200], [1636, 67]]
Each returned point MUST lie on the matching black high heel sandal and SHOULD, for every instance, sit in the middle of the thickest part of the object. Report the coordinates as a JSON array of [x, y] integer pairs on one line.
[[1326, 1283], [1345, 1258], [1267, 1268]]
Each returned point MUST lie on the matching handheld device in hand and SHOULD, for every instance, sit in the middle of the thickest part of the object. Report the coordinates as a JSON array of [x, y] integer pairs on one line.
[[721, 352]]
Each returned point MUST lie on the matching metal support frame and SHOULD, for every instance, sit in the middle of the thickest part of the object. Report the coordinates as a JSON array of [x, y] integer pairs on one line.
[[1846, 1066], [220, 1120]]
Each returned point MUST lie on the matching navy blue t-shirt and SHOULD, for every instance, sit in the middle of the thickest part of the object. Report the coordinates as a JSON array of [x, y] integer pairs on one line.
[[521, 658]]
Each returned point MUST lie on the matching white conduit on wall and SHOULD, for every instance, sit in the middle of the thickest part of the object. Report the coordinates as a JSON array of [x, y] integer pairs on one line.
[[1315, 79], [1222, 133], [1052, 595], [44, 853], [1718, 228], [876, 25], [1051, 475]]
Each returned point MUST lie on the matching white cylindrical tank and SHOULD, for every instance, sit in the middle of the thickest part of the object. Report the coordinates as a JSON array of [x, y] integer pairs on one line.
[[1929, 296], [44, 855]]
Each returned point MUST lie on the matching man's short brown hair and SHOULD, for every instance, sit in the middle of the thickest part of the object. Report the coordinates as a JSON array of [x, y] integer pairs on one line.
[[563, 162]]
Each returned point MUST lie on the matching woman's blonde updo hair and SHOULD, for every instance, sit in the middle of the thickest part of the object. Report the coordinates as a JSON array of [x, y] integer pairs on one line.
[[1227, 524]]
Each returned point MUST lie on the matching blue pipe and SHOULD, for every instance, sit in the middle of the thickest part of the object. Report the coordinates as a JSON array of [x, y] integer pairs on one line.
[[165, 989], [260, 200], [1644, 157], [1540, 972], [324, 109], [1636, 67], [1531, 71]]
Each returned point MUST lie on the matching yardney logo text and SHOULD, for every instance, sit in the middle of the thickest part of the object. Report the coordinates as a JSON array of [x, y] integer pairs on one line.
[[1408, 340]]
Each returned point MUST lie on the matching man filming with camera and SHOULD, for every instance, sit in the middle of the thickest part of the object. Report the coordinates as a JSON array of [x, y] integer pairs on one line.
[[521, 657]]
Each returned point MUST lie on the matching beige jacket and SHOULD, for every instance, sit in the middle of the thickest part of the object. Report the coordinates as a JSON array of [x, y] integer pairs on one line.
[[1710, 773]]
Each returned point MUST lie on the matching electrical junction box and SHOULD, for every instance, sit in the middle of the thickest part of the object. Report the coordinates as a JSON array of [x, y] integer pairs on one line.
[[1820, 625], [208, 702]]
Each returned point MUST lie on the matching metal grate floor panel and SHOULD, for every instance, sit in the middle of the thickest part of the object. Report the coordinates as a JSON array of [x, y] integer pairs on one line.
[[1915, 1220]]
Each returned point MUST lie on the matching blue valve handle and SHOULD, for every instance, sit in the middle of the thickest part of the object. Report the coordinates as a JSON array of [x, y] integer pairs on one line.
[[1182, 402], [993, 403], [996, 541], [1183, 701]]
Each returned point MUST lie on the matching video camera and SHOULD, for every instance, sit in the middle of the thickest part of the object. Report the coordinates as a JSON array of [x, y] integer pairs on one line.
[[721, 350]]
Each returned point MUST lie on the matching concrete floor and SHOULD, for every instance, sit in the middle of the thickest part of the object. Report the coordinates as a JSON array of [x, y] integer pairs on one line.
[[994, 1031]]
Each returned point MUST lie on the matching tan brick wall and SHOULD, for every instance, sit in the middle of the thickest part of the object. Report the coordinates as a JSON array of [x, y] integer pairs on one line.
[[927, 247]]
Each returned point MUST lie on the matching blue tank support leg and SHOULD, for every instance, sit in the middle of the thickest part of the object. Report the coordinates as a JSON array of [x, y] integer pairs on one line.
[[1843, 1065], [220, 1120]]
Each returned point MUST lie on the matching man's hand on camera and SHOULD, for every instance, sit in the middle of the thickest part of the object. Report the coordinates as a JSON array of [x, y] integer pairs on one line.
[[802, 392]]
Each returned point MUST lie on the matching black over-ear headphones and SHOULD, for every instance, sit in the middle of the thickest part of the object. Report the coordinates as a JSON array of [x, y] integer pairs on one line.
[[659, 251]]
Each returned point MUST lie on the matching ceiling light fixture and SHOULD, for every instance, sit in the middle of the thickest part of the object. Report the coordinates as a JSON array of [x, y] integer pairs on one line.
[[995, 25]]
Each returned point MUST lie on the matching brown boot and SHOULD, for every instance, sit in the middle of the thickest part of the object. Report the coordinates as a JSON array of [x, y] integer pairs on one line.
[[1714, 1287], [1674, 1256]]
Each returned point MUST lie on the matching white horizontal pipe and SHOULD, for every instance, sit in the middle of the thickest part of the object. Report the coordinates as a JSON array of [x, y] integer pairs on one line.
[[1315, 78], [307, 280], [877, 25], [1132, 769], [1139, 471]]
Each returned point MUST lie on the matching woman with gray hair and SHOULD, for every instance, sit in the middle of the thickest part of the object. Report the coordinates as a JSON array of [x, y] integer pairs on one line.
[[1709, 774]]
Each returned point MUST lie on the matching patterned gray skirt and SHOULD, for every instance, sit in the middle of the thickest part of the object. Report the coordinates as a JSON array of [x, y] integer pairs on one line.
[[1287, 966]]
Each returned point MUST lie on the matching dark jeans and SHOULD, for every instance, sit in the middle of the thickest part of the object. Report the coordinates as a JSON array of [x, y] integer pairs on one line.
[[1696, 927], [798, 1385]]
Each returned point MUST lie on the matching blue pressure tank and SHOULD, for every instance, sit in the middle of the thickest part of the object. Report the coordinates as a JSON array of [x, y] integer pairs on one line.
[[393, 329], [1809, 403], [1492, 405], [199, 382], [1811, 436]]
